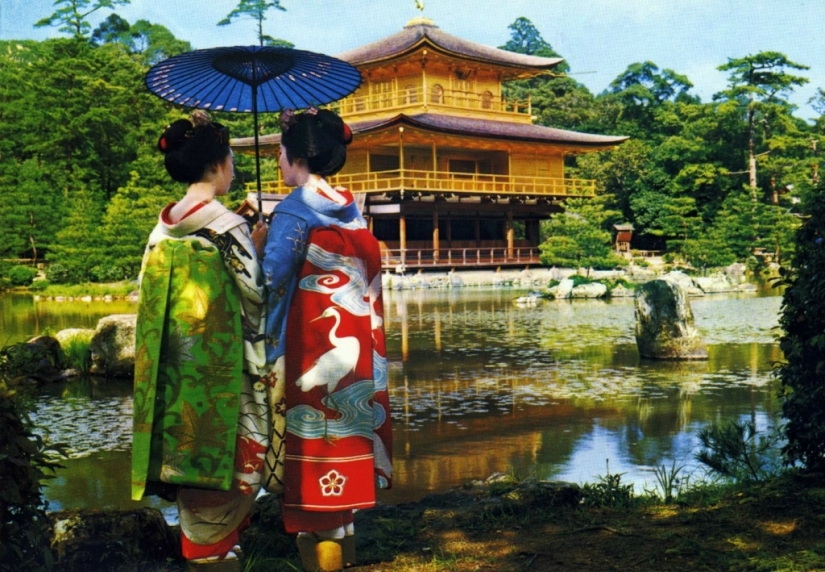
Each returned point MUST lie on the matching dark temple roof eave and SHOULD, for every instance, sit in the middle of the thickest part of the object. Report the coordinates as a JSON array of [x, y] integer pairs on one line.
[[455, 125]]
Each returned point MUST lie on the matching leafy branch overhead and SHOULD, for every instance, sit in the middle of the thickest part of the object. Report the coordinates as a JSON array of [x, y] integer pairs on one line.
[[72, 15], [256, 10]]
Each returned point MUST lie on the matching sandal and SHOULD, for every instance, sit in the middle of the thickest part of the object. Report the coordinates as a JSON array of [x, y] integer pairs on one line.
[[225, 563], [320, 554]]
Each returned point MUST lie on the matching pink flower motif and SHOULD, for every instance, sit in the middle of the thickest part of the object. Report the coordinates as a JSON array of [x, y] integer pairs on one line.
[[332, 484]]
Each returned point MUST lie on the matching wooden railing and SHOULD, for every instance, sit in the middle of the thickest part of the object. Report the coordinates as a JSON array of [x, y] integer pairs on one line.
[[409, 180], [447, 99], [397, 258]]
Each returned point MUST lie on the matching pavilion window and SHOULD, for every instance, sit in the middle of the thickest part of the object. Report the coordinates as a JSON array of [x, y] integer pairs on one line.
[[410, 94], [382, 93], [437, 94], [487, 100], [384, 163]]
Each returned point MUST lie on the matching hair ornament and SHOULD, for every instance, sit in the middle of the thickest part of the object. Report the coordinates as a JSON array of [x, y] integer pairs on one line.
[[288, 119], [200, 118], [347, 136]]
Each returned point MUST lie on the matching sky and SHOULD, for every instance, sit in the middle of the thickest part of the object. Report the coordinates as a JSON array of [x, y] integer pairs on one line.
[[597, 38]]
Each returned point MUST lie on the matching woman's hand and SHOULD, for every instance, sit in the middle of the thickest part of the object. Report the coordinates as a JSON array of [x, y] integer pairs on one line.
[[259, 238]]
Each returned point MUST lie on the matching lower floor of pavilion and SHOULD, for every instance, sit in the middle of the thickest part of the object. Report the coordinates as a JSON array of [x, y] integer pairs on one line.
[[443, 232]]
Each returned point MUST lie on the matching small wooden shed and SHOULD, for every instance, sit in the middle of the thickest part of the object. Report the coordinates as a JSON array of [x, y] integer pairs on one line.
[[624, 233]]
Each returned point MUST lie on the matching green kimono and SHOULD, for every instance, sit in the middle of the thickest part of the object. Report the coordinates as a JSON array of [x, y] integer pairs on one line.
[[191, 353]]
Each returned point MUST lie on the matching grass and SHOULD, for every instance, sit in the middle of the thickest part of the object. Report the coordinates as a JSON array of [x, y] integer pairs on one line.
[[756, 526], [76, 352], [95, 290]]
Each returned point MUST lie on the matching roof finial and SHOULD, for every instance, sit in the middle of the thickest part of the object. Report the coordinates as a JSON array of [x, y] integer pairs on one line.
[[421, 20]]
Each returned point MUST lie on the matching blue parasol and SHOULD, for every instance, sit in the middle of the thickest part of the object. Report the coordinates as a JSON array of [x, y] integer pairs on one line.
[[252, 79]]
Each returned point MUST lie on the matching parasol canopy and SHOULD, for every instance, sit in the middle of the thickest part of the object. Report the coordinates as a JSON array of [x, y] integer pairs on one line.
[[252, 79]]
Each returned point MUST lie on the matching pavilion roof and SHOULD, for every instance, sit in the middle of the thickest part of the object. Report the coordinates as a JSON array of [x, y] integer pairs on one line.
[[465, 126], [422, 31], [457, 125]]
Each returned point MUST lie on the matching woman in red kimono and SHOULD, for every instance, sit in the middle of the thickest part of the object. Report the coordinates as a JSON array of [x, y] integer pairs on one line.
[[325, 341]]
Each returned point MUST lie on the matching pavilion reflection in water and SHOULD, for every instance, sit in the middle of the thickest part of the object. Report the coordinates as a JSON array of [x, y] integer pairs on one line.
[[481, 386]]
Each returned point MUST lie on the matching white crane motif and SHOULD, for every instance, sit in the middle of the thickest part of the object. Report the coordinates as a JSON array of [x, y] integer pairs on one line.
[[335, 364]]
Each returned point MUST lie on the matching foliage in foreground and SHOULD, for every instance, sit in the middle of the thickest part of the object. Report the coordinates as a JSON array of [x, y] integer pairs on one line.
[[25, 460], [803, 341]]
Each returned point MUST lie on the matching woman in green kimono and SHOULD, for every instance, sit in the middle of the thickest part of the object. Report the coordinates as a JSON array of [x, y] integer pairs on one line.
[[200, 413]]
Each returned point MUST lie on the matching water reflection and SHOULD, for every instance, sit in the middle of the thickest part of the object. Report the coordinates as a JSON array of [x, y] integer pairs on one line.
[[479, 385], [22, 317]]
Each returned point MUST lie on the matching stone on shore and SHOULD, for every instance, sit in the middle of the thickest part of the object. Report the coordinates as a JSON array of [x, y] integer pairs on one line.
[[564, 289], [664, 323], [113, 346]]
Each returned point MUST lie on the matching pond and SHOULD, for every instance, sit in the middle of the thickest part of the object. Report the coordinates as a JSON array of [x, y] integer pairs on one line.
[[479, 385]]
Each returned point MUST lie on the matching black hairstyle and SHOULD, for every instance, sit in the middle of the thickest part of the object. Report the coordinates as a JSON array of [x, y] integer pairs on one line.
[[192, 146], [318, 136]]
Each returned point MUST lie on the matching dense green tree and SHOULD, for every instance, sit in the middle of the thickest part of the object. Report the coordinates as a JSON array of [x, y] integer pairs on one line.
[[644, 94], [152, 42], [128, 220], [760, 84], [557, 100], [74, 118], [155, 43], [72, 15], [579, 237], [802, 341], [256, 10], [526, 39], [113, 29], [77, 248]]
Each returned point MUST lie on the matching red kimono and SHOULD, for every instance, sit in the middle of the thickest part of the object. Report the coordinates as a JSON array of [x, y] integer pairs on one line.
[[338, 437]]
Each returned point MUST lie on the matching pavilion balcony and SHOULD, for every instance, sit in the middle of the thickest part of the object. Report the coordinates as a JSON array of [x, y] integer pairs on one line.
[[401, 260], [450, 183], [412, 101]]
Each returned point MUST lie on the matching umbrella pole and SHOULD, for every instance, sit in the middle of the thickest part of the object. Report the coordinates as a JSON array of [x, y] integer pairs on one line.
[[257, 151]]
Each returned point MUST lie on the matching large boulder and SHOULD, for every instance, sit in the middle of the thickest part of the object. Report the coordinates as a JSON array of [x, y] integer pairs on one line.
[[684, 281], [113, 346], [136, 539], [592, 290], [664, 323], [564, 289], [714, 283]]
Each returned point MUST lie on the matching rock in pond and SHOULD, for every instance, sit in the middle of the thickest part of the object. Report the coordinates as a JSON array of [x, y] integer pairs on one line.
[[664, 323]]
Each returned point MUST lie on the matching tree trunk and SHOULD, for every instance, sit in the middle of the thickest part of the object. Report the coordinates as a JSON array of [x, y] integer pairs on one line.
[[751, 153]]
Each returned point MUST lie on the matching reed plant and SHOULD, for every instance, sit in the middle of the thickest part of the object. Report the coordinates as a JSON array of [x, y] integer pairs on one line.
[[77, 353], [669, 481]]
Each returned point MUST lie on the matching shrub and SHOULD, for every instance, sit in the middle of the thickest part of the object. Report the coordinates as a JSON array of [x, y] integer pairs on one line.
[[608, 491], [803, 341], [21, 275], [737, 451], [113, 273], [60, 274], [39, 285], [25, 457]]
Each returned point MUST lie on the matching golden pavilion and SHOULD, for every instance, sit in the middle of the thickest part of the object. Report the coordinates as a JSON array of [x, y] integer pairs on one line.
[[450, 173]]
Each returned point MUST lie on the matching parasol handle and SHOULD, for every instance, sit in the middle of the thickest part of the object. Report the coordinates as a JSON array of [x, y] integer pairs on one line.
[[257, 151]]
